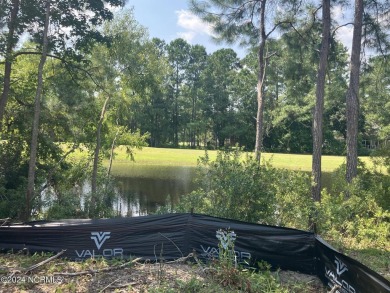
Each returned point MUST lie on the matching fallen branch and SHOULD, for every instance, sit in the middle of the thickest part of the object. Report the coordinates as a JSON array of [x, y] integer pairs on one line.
[[122, 285], [181, 259], [109, 285], [33, 267], [98, 271]]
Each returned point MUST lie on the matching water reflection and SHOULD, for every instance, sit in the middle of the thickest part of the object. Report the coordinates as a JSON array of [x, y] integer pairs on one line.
[[143, 195]]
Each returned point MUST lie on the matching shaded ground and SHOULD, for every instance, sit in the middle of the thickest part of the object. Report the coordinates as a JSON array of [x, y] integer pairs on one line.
[[60, 275]]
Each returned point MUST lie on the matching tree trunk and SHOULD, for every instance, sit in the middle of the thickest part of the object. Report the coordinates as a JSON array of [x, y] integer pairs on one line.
[[319, 106], [176, 111], [193, 120], [260, 80], [37, 113], [96, 159], [10, 45], [112, 153], [352, 99]]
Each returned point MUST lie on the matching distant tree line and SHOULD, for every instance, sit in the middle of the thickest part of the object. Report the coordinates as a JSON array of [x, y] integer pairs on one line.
[[209, 100]]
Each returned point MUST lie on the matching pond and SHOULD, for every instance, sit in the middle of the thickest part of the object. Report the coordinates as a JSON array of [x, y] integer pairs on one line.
[[145, 188], [142, 189]]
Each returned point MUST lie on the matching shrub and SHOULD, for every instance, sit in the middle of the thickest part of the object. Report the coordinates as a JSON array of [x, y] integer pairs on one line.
[[294, 203], [353, 212], [231, 276], [236, 187]]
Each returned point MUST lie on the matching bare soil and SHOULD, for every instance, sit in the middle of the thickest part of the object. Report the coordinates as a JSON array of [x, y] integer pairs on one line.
[[99, 276]]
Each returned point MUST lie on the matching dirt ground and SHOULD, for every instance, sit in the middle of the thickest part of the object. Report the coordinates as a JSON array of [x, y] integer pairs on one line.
[[63, 276]]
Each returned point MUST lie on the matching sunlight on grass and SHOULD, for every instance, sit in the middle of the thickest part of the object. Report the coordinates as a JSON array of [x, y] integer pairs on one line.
[[188, 158], [167, 157]]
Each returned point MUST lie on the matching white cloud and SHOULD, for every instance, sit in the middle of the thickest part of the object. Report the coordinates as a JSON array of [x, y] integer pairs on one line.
[[343, 17], [193, 25], [344, 34], [188, 36], [338, 13]]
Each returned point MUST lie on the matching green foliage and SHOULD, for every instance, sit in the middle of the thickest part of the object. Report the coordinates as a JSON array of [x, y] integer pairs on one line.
[[235, 187], [294, 202], [226, 257], [230, 276], [13, 172], [68, 206], [354, 213], [381, 159], [232, 188]]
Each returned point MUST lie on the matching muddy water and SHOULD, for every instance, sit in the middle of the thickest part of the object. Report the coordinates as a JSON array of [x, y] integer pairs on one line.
[[144, 190]]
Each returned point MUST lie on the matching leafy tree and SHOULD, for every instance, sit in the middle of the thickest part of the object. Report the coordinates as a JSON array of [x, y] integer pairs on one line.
[[117, 69], [243, 101], [179, 58], [148, 106], [375, 102], [243, 21], [73, 30], [37, 113], [334, 110], [370, 30], [56, 124], [290, 90], [8, 41], [195, 89], [218, 77]]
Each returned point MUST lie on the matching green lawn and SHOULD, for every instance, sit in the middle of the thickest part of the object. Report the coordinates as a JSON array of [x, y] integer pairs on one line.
[[187, 158]]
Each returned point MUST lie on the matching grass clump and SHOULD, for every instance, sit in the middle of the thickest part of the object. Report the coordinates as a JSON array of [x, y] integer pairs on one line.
[[224, 274]]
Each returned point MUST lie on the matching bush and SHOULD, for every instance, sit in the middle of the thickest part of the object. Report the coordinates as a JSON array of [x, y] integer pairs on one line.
[[294, 202], [236, 187], [13, 177], [354, 212], [232, 188], [231, 276]]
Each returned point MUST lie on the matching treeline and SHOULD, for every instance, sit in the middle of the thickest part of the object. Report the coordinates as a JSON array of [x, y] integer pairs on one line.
[[209, 100], [181, 96]]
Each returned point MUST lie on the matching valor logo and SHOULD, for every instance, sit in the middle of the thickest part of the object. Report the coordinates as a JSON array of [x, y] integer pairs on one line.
[[340, 267], [335, 278], [100, 238]]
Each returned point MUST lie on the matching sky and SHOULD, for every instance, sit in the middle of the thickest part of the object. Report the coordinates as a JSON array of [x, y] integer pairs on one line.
[[171, 19]]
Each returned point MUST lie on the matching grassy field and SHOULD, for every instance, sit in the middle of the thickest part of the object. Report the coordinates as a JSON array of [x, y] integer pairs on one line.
[[187, 158]]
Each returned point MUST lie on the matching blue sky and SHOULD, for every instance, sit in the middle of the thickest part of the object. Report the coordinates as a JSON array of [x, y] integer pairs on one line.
[[171, 19]]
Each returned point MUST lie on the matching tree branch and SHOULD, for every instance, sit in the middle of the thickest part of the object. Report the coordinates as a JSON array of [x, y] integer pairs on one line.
[[340, 26], [33, 267], [98, 271]]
